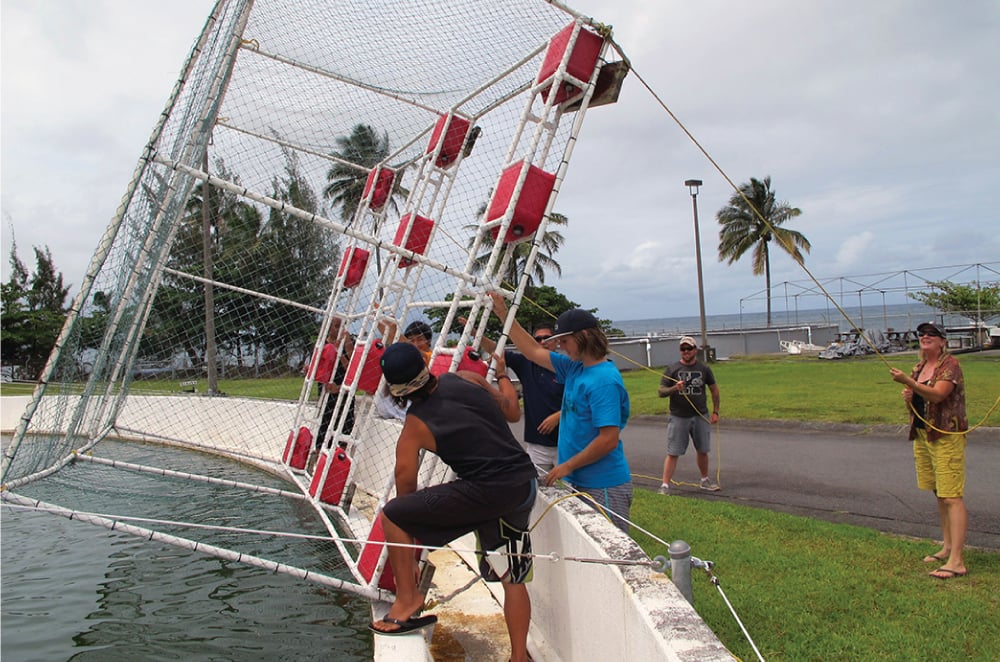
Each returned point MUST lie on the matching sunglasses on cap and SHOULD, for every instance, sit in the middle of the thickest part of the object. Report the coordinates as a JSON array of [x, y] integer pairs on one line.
[[541, 338], [687, 348]]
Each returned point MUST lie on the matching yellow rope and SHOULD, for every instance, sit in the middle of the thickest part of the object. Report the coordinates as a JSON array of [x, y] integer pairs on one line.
[[583, 495]]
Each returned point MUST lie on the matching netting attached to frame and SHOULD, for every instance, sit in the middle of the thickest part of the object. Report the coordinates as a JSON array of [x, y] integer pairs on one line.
[[362, 160]]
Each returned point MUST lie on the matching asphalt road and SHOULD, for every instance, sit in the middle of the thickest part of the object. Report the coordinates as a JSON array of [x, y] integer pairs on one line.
[[833, 473]]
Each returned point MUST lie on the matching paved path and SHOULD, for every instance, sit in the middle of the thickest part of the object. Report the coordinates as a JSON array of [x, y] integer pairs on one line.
[[834, 474]]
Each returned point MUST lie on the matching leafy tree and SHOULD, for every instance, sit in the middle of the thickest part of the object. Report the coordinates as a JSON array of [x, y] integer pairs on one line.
[[177, 321], [95, 322], [235, 226], [34, 309], [751, 219], [365, 148], [298, 259], [543, 304], [978, 302]]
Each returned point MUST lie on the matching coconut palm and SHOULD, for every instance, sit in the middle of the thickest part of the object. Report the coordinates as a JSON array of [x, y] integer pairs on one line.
[[552, 241], [751, 219], [365, 148]]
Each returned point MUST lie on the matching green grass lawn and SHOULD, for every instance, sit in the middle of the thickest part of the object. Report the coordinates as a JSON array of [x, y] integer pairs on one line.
[[812, 590], [799, 388], [856, 390]]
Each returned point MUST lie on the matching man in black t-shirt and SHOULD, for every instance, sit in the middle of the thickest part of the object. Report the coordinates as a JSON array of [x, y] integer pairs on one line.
[[464, 420], [685, 382]]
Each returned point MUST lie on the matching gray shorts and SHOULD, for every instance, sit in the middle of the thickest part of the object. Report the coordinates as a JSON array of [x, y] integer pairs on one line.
[[617, 499], [695, 428]]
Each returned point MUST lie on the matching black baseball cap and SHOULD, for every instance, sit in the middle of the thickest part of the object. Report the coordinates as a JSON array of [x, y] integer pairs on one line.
[[404, 368], [576, 319], [931, 329]]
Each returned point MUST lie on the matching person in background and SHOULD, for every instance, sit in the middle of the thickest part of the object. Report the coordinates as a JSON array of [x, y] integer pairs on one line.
[[934, 393], [418, 334], [330, 372], [595, 409], [542, 394], [464, 420], [684, 382]]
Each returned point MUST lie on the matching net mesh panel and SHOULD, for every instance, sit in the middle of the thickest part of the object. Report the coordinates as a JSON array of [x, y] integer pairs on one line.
[[288, 106]]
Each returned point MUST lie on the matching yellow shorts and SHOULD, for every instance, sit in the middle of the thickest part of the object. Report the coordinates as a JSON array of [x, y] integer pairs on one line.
[[940, 464]]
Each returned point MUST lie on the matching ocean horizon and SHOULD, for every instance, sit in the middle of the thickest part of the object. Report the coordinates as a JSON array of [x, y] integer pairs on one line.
[[897, 317]]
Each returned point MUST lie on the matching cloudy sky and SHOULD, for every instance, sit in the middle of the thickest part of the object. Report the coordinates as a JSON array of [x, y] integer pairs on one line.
[[878, 120]]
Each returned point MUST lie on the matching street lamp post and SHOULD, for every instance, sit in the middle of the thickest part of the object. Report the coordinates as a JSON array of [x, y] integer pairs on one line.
[[693, 186]]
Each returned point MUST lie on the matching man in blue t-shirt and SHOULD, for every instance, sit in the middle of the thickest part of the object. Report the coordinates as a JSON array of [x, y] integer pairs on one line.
[[595, 409]]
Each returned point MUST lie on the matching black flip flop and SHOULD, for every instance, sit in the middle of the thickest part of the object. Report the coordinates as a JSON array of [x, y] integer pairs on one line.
[[951, 573], [409, 625]]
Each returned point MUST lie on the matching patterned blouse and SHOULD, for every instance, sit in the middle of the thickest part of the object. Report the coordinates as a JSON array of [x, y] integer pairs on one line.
[[948, 415]]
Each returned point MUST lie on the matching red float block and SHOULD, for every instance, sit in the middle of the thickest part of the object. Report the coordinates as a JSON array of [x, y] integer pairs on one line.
[[297, 448], [371, 372], [370, 553], [450, 132], [529, 207], [336, 478], [353, 265], [581, 64], [381, 180], [470, 361], [419, 236]]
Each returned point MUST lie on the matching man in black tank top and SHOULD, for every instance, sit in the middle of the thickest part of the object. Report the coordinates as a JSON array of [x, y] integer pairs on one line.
[[464, 420]]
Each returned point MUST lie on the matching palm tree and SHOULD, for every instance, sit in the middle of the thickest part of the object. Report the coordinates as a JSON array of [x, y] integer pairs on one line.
[[365, 148], [751, 219], [545, 261]]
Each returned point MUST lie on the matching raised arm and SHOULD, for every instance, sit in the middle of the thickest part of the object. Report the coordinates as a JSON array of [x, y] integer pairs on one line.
[[520, 337], [504, 393]]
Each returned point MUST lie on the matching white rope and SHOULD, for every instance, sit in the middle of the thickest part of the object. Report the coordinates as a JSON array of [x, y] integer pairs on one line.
[[25, 504], [737, 618], [118, 464]]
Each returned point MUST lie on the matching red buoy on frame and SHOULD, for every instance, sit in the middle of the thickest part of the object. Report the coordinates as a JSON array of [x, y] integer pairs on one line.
[[297, 448], [336, 478], [368, 375]]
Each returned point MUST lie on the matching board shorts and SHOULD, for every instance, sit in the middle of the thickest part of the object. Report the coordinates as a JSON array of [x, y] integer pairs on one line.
[[940, 464], [498, 514], [682, 428]]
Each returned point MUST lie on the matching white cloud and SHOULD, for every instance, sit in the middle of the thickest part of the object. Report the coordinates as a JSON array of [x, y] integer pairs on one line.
[[853, 250], [878, 120]]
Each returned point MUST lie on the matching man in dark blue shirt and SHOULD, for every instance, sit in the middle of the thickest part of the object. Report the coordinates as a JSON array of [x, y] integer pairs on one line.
[[542, 396]]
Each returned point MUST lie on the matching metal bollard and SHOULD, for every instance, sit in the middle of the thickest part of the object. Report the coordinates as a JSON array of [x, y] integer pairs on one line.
[[680, 568]]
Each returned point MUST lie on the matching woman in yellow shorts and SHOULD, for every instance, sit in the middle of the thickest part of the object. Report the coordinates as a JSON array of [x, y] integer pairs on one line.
[[935, 397]]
